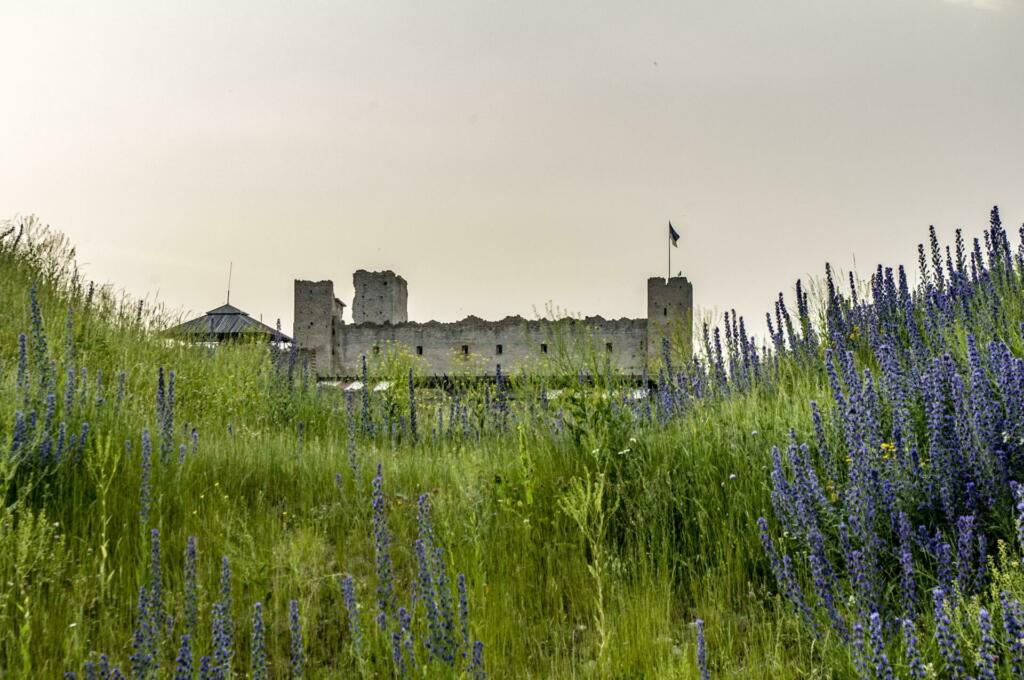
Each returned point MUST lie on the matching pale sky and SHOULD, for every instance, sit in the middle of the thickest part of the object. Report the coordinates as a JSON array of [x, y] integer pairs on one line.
[[500, 155]]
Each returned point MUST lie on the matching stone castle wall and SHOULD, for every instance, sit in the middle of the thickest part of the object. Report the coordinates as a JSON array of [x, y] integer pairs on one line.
[[474, 346]]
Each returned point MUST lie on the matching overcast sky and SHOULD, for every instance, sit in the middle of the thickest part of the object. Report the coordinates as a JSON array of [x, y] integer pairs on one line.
[[503, 155]]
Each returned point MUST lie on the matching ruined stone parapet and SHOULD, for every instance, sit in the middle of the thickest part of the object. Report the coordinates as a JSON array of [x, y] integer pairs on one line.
[[380, 297]]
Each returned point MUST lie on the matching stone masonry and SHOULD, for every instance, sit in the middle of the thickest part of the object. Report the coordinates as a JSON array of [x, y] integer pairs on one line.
[[475, 346]]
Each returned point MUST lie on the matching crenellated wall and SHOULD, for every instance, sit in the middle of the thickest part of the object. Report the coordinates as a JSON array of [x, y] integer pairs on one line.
[[474, 346], [477, 346]]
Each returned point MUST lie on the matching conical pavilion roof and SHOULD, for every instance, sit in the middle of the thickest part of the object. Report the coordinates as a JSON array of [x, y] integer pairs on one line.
[[226, 322]]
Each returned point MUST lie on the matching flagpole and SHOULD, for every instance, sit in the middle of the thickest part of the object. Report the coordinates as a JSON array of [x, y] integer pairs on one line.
[[667, 278]]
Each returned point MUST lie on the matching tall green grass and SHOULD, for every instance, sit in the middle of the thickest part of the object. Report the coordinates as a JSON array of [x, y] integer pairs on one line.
[[588, 552]]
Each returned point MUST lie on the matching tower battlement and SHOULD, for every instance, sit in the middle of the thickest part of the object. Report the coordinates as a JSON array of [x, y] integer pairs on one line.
[[669, 314], [381, 297]]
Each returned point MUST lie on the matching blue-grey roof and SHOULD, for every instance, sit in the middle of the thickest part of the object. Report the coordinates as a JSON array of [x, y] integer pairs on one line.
[[226, 322]]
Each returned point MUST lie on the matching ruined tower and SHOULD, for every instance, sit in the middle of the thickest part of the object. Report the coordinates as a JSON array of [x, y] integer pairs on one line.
[[380, 297], [317, 315], [669, 314]]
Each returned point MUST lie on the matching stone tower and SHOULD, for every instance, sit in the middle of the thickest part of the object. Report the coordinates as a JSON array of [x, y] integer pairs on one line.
[[669, 314], [317, 315], [380, 297]]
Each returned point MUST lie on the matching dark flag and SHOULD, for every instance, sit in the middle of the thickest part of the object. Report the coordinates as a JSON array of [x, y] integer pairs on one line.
[[674, 235]]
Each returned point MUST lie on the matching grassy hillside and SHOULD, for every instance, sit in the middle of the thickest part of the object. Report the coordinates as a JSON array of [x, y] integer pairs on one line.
[[164, 503]]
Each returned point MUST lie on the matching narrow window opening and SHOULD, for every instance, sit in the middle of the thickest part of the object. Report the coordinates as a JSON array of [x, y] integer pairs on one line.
[[664, 312], [607, 347], [465, 349], [498, 349], [543, 348], [419, 350]]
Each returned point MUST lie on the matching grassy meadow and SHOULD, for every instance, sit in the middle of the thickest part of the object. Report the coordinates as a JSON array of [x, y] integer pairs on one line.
[[576, 530]]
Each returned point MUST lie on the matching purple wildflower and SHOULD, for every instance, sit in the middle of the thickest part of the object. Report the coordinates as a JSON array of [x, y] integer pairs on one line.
[[156, 588], [913, 655], [143, 662], [444, 594], [405, 626], [823, 576], [1013, 616], [412, 408], [69, 392], [435, 638], [945, 637], [103, 667], [987, 650], [22, 382], [460, 580], [19, 439], [168, 417], [191, 588], [82, 439], [51, 411], [396, 655], [702, 651], [183, 662], [223, 625], [1018, 493], [259, 645], [476, 666], [297, 653], [161, 398], [145, 487], [62, 435], [348, 592], [944, 559], [908, 589], [39, 351], [382, 548], [883, 670], [860, 654], [965, 553], [860, 574]]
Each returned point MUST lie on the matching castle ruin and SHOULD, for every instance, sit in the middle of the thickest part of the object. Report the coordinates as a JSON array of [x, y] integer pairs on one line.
[[380, 319]]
